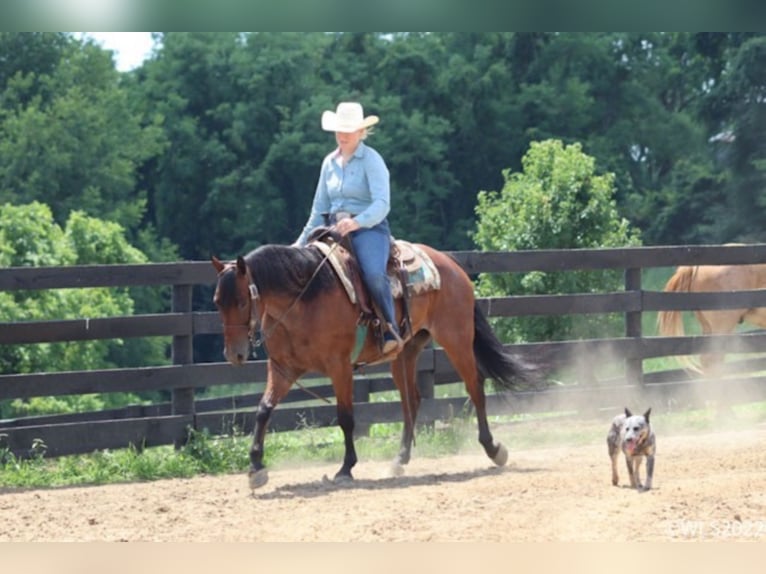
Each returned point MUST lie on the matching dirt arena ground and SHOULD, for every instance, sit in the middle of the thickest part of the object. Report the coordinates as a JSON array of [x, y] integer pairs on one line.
[[707, 487]]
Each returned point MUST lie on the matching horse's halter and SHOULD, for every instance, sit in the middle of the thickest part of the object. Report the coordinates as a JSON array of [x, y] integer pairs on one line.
[[255, 298], [254, 318], [253, 313]]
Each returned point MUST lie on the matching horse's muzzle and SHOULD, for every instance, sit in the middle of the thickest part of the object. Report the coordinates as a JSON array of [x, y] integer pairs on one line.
[[237, 355]]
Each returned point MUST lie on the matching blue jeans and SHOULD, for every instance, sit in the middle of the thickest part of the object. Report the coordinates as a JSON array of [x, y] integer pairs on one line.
[[372, 247]]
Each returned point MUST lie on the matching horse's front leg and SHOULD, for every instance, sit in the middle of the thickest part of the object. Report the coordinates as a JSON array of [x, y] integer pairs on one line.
[[343, 381], [258, 475], [346, 423], [277, 386]]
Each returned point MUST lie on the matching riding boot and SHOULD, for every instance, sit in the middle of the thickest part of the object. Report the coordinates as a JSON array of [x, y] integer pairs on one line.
[[371, 247], [392, 342]]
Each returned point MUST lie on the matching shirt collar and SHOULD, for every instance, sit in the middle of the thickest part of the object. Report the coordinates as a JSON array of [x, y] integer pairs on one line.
[[358, 152]]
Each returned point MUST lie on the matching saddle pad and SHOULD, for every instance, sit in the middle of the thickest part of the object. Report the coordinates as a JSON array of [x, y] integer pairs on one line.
[[336, 255], [422, 274]]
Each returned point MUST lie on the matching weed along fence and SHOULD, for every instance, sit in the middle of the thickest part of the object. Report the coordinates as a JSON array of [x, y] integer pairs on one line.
[[168, 423]]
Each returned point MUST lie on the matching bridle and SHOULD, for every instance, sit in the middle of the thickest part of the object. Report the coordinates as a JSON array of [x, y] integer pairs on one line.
[[255, 319], [252, 324]]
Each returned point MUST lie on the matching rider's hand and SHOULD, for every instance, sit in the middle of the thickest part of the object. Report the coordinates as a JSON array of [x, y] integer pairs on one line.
[[346, 226]]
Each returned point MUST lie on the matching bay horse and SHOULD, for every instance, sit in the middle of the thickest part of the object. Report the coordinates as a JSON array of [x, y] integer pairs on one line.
[[707, 278], [308, 323]]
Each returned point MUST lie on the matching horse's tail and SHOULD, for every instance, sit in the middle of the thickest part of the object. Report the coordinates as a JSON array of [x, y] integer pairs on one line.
[[670, 323], [508, 372]]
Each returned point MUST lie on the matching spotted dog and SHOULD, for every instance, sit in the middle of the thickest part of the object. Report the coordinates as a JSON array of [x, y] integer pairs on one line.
[[633, 435]]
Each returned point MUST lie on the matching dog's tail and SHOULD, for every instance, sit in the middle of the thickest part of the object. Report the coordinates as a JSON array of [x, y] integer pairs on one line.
[[670, 323]]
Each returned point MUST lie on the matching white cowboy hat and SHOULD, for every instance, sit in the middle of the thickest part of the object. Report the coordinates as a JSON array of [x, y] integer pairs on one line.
[[347, 118]]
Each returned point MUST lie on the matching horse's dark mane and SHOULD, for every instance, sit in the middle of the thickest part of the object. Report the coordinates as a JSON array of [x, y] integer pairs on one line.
[[287, 270]]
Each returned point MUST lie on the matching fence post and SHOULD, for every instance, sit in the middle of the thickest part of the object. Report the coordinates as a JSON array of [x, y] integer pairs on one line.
[[634, 369], [183, 354]]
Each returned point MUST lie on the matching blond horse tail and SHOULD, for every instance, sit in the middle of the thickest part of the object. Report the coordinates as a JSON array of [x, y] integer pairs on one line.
[[670, 323]]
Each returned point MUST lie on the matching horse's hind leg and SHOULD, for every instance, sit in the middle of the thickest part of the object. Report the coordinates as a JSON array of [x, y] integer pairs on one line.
[[405, 379], [458, 346], [716, 323], [713, 363]]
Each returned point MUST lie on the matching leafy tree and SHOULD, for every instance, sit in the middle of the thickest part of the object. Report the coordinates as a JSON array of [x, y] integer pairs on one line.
[[234, 109], [737, 110], [30, 237], [27, 59], [69, 136], [558, 201]]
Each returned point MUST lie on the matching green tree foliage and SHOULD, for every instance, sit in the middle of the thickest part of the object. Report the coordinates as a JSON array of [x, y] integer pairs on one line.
[[241, 116], [737, 109], [234, 113], [27, 59], [557, 201], [69, 135], [214, 144], [29, 236]]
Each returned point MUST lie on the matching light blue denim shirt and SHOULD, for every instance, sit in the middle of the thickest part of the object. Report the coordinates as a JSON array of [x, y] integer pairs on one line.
[[361, 187]]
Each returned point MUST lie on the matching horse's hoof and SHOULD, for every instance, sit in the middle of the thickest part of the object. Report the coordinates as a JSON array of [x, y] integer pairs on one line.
[[396, 469], [501, 456], [342, 479], [258, 478], [337, 480]]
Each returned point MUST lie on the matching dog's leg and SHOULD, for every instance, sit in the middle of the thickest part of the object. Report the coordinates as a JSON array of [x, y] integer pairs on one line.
[[631, 471], [637, 460], [613, 445], [649, 471], [615, 477], [614, 453]]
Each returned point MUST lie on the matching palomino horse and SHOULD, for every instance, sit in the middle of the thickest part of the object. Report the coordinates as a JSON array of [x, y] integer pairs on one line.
[[706, 278], [308, 323]]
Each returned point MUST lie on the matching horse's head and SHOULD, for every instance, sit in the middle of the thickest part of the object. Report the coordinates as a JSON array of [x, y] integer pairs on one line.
[[235, 306]]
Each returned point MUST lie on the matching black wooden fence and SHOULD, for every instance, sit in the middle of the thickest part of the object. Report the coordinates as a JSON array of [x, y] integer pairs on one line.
[[169, 423]]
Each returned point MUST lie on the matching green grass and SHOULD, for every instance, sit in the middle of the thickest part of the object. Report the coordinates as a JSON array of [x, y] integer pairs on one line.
[[206, 454]]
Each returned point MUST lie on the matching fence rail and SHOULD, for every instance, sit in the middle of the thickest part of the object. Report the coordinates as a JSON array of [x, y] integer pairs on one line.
[[168, 423]]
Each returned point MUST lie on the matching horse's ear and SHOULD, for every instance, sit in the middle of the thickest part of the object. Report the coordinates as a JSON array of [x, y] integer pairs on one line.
[[241, 265], [217, 263]]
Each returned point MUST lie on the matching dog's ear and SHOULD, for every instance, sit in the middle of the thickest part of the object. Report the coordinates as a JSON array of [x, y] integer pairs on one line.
[[647, 413], [627, 412]]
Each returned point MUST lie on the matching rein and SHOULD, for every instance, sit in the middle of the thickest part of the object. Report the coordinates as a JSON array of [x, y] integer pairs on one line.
[[254, 296], [254, 319]]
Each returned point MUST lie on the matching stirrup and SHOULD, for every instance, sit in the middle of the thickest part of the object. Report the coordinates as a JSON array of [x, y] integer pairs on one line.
[[394, 345]]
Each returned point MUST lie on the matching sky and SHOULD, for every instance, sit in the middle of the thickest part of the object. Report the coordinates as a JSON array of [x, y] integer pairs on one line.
[[130, 48]]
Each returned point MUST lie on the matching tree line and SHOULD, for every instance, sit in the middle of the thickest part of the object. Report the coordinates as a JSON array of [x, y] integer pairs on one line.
[[213, 145]]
